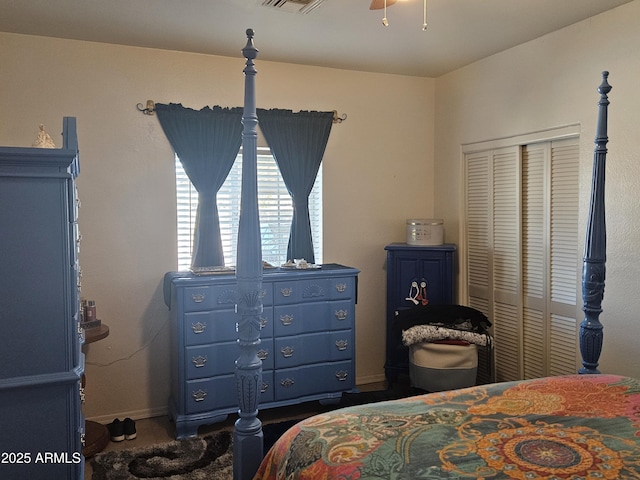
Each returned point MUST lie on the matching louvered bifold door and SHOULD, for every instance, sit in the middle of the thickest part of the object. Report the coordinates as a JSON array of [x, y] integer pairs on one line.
[[565, 258], [507, 322], [535, 258], [493, 250], [550, 271], [522, 256], [477, 221]]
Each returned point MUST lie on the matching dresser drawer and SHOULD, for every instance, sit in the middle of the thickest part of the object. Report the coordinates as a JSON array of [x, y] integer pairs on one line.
[[313, 379], [209, 297], [267, 390], [219, 359], [313, 290], [220, 393], [224, 296], [313, 317], [220, 326], [296, 291], [313, 348], [342, 288]]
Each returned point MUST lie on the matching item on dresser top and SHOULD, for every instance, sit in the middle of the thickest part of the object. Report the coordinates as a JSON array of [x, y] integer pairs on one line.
[[211, 270], [300, 264]]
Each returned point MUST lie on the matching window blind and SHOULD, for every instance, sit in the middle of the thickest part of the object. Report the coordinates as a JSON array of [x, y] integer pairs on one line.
[[274, 204]]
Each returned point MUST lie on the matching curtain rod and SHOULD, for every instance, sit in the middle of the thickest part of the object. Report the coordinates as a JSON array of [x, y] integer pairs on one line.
[[150, 108]]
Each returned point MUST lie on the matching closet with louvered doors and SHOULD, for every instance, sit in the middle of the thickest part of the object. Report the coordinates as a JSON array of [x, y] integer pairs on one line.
[[521, 258]]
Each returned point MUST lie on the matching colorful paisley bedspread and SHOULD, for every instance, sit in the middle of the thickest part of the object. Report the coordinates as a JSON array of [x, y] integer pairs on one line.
[[579, 427]]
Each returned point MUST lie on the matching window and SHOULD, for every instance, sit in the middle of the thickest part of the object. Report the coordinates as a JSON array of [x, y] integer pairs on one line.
[[275, 209]]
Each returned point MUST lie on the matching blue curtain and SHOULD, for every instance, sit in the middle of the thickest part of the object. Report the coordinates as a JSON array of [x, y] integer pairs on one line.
[[207, 142], [297, 141]]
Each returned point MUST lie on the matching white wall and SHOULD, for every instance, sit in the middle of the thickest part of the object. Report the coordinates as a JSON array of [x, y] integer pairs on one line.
[[550, 82], [378, 169], [377, 172]]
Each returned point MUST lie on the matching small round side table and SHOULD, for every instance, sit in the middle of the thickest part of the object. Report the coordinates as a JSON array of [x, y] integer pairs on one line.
[[96, 435]]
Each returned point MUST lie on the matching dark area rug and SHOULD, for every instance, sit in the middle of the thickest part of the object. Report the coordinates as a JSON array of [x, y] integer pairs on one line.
[[211, 456]]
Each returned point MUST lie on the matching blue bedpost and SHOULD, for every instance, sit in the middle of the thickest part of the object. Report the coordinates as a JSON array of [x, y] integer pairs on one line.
[[593, 269], [247, 436]]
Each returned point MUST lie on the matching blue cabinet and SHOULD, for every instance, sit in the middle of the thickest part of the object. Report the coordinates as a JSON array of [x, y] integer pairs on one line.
[[41, 364], [307, 343], [415, 274]]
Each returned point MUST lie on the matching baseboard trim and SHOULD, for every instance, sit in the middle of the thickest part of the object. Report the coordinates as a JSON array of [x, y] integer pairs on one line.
[[371, 379], [134, 414]]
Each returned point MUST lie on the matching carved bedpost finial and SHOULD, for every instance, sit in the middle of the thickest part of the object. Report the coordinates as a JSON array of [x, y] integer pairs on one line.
[[250, 52], [604, 87]]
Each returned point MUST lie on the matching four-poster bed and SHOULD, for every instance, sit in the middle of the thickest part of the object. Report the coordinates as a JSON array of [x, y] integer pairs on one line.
[[580, 426]]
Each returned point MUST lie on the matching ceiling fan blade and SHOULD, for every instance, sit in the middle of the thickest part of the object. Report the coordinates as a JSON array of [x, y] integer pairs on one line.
[[379, 4]]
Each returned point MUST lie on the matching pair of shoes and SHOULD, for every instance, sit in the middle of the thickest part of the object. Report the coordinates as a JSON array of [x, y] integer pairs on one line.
[[120, 430]]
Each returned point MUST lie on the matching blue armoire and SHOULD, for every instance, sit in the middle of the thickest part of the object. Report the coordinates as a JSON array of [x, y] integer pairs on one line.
[[41, 363]]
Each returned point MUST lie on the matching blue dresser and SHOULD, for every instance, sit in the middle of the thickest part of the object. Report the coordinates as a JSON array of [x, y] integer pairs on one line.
[[307, 341], [408, 268], [41, 364]]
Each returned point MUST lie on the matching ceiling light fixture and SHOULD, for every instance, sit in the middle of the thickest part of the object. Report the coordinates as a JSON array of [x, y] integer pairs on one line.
[[383, 4], [424, 16], [385, 22]]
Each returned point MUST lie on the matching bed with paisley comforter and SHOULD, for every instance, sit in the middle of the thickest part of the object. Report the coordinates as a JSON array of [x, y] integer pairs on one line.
[[568, 427]]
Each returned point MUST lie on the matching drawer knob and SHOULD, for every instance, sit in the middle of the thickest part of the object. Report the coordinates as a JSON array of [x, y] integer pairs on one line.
[[286, 292], [82, 395], [287, 352], [83, 439], [198, 327], [341, 287], [262, 354], [264, 387], [199, 395], [286, 319], [341, 314], [263, 322], [342, 344], [342, 375], [199, 361], [198, 297], [287, 382]]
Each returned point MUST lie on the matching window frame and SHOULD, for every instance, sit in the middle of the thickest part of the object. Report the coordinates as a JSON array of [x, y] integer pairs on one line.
[[275, 208]]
